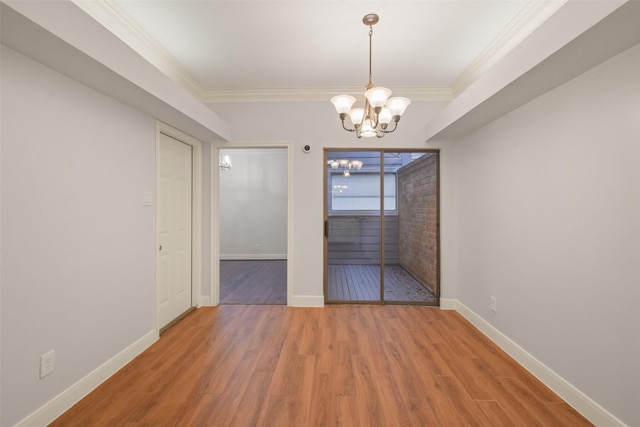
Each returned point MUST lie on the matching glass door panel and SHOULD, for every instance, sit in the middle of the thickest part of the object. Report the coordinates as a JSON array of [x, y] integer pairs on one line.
[[353, 226], [410, 228]]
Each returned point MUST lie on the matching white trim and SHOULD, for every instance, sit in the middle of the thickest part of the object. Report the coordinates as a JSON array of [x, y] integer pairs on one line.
[[307, 94], [448, 304], [307, 301], [214, 241], [110, 15], [574, 397], [196, 214], [205, 301], [214, 286], [527, 21], [253, 256], [65, 400]]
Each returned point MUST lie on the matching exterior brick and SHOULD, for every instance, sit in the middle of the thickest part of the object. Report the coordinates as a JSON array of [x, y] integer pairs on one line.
[[417, 219]]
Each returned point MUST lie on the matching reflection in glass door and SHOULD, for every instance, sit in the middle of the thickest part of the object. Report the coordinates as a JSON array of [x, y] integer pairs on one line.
[[381, 227]]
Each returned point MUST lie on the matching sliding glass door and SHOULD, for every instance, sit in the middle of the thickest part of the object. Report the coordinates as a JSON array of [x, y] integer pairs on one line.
[[381, 227]]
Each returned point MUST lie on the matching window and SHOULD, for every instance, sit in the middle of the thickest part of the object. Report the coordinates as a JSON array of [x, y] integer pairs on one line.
[[361, 192]]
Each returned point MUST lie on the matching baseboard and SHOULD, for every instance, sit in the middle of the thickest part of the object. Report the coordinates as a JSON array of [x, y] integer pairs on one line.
[[306, 301], [574, 397], [65, 400], [205, 301], [252, 257], [448, 304]]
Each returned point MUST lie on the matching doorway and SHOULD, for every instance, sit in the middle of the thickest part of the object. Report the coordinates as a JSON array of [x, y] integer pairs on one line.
[[382, 227], [253, 225]]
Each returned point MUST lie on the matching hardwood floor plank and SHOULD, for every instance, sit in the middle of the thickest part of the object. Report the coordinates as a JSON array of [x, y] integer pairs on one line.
[[532, 402], [369, 402], [343, 372], [339, 365], [465, 406], [494, 412], [466, 373], [323, 408], [348, 412]]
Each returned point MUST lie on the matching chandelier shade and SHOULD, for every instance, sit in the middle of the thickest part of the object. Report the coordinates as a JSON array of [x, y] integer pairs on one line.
[[343, 103], [377, 96], [379, 110]]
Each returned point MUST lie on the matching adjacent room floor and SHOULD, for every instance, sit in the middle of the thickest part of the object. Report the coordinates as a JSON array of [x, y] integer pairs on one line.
[[253, 282]]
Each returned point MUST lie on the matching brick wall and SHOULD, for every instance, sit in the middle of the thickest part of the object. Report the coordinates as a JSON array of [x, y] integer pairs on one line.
[[417, 214]]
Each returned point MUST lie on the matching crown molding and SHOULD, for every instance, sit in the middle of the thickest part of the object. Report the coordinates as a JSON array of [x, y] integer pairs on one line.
[[526, 22], [117, 21], [225, 96]]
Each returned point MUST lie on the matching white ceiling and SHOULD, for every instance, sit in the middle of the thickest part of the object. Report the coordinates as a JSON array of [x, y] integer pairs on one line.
[[219, 49]]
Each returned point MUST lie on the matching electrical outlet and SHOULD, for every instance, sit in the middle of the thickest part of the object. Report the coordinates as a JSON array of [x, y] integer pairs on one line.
[[494, 304], [47, 363], [258, 247]]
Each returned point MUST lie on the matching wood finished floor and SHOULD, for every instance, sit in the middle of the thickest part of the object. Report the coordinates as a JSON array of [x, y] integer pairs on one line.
[[339, 365], [357, 282], [253, 282]]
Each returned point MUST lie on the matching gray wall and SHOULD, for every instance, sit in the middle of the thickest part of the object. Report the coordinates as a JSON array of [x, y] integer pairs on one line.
[[548, 220], [77, 244], [253, 204]]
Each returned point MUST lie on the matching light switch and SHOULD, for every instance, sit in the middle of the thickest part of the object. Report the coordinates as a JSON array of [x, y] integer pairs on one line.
[[147, 198]]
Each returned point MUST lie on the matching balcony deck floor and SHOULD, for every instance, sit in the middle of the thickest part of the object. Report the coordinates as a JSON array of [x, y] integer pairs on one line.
[[358, 283]]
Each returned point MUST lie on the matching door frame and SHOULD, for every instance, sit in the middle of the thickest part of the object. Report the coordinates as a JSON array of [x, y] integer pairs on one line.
[[214, 287], [196, 214]]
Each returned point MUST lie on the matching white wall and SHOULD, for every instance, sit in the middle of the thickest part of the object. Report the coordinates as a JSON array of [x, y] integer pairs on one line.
[[317, 124], [77, 244], [548, 202], [253, 204]]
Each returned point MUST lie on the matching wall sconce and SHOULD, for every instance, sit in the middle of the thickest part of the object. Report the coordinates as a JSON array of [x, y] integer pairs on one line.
[[224, 163]]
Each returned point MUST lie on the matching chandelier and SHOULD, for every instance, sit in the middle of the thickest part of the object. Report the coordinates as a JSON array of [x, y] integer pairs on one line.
[[346, 165], [379, 110]]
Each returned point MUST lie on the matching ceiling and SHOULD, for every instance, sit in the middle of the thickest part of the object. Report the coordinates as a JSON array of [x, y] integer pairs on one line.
[[231, 51], [473, 60]]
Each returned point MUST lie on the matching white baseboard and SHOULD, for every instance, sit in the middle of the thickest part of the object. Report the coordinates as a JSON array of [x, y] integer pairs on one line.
[[448, 304], [205, 301], [251, 257], [306, 301], [65, 400], [574, 397]]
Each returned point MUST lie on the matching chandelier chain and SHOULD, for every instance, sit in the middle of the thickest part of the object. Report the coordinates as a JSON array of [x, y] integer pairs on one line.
[[370, 54]]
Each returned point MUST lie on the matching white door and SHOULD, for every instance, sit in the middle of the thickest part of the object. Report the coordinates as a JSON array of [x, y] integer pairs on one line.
[[174, 205]]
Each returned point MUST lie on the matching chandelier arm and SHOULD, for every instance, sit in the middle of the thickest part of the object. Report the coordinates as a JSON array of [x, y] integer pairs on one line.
[[395, 126], [346, 128]]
